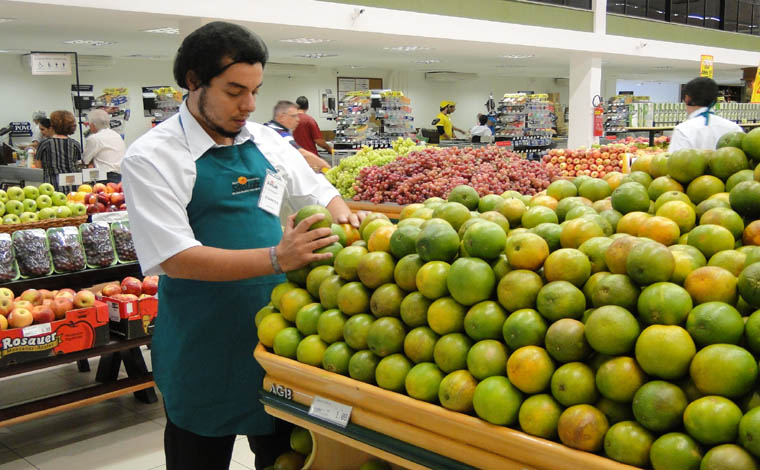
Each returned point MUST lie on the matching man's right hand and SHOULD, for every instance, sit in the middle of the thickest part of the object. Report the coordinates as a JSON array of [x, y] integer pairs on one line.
[[296, 249]]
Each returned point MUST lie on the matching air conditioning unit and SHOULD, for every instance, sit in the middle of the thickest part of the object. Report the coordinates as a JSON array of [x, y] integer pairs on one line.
[[449, 76], [86, 61], [280, 69]]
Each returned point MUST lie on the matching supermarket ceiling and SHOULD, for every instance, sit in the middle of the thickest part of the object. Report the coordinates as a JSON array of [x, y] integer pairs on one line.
[[42, 27]]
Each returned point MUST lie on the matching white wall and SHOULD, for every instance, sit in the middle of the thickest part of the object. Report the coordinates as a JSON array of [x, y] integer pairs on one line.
[[21, 93], [659, 92]]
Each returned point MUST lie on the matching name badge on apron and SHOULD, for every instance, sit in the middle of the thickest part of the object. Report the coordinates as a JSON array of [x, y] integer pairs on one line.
[[272, 193]]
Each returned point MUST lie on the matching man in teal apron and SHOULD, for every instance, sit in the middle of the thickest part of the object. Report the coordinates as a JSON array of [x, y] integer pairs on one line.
[[204, 190]]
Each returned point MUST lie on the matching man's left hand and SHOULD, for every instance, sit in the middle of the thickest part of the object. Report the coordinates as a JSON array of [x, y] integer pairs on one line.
[[354, 219]]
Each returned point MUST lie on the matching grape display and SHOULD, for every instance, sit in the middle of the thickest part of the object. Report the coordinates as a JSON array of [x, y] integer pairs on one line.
[[97, 244], [434, 172], [122, 240], [343, 176], [67, 252], [8, 270], [32, 253]]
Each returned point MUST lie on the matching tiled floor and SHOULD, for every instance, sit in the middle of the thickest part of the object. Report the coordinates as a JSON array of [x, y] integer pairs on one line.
[[118, 434]]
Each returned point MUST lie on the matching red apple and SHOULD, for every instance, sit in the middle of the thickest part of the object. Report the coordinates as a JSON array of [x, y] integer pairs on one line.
[[117, 199], [48, 302], [43, 314], [91, 199], [84, 299], [122, 207], [23, 304], [92, 209], [110, 290], [103, 198], [111, 187], [125, 297], [6, 305], [46, 294], [150, 285], [119, 187], [32, 295], [131, 285], [66, 293], [112, 208], [98, 188], [61, 305], [20, 318]]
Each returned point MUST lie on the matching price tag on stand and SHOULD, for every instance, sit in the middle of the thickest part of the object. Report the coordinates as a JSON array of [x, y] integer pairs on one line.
[[706, 66], [94, 174], [70, 179], [330, 411]]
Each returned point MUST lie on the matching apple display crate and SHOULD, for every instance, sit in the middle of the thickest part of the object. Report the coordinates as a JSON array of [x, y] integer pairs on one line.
[[45, 224], [464, 438]]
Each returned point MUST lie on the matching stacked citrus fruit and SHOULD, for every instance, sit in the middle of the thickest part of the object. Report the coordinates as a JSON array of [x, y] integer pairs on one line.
[[615, 315]]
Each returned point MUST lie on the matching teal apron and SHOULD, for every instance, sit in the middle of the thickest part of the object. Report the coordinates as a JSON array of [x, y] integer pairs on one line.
[[205, 333], [706, 114]]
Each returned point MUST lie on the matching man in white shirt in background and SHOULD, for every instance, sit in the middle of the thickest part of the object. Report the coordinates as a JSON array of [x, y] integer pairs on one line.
[[104, 148], [482, 129], [703, 128]]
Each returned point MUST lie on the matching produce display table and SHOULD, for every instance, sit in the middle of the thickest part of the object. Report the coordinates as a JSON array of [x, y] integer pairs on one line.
[[393, 211], [654, 130], [465, 439], [139, 380], [77, 280]]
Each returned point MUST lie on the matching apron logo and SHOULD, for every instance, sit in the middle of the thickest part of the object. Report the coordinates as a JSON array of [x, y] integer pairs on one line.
[[245, 185]]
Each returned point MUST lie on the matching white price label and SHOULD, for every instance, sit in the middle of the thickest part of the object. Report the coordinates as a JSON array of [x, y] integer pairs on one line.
[[70, 179], [113, 312], [36, 330], [271, 195], [330, 411], [94, 174]]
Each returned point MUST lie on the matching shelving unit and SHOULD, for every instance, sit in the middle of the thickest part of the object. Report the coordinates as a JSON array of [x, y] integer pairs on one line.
[[373, 118], [526, 121]]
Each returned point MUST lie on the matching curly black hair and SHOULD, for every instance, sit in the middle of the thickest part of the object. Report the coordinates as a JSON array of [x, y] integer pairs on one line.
[[702, 91], [204, 50]]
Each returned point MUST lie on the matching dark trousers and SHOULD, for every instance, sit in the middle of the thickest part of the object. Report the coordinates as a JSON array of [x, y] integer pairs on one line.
[[189, 451]]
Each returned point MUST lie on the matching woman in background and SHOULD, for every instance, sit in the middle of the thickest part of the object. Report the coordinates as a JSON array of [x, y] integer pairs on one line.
[[46, 129], [60, 153]]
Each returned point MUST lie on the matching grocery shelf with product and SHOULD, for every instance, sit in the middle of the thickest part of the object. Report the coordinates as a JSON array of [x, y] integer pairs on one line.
[[526, 121], [373, 118]]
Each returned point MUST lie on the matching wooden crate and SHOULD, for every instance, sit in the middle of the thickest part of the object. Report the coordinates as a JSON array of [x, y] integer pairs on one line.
[[455, 435]]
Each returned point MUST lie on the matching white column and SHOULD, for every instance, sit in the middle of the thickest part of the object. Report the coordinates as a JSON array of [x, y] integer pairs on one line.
[[600, 16], [585, 84]]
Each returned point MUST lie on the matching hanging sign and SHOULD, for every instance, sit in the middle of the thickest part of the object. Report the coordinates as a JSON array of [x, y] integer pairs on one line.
[[598, 121], [756, 87], [706, 66], [51, 64]]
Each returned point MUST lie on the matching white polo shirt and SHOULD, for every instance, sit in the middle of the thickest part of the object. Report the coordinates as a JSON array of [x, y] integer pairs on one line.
[[106, 149], [694, 134], [158, 174]]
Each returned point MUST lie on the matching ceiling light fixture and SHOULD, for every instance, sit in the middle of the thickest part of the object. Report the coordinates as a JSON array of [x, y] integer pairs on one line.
[[518, 56], [306, 40], [355, 66], [7, 20], [407, 48], [427, 61], [147, 57], [164, 30], [511, 66], [316, 55], [89, 42], [663, 67]]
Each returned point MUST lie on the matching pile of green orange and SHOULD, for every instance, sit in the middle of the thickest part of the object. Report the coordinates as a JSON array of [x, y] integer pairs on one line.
[[617, 316]]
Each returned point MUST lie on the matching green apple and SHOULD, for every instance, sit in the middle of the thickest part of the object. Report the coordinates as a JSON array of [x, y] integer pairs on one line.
[[3, 196], [30, 205], [59, 199], [78, 209], [14, 207], [61, 212], [28, 217], [47, 189], [11, 219], [15, 193], [2, 209], [31, 192], [46, 213], [44, 201]]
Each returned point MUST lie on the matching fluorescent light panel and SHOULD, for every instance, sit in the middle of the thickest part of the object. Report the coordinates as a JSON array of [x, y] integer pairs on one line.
[[518, 56], [7, 20], [164, 30], [306, 40], [427, 61], [316, 55], [407, 48], [89, 42]]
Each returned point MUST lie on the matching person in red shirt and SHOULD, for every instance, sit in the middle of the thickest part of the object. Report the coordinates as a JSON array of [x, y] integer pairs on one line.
[[307, 134]]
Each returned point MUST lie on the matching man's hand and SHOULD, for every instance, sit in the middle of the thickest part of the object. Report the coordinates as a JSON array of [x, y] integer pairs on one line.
[[353, 219], [296, 249]]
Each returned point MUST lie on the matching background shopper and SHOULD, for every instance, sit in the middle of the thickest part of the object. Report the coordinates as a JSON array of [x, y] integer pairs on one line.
[[307, 134], [104, 148], [60, 153]]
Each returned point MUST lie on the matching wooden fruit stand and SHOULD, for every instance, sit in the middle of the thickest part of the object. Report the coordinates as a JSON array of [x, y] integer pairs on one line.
[[466, 441], [391, 210]]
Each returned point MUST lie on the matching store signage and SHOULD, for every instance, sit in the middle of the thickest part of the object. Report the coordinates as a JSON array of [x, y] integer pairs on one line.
[[51, 64], [706, 66], [330, 411], [598, 121], [756, 87], [21, 129]]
